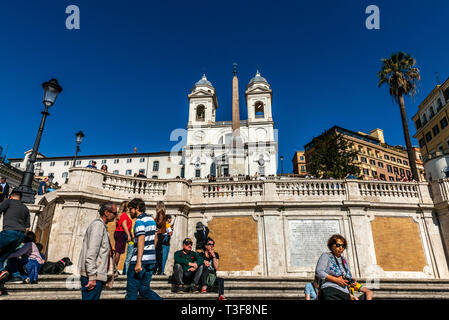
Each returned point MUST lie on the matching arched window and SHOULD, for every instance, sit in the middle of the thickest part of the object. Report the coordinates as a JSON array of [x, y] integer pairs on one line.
[[259, 110], [200, 113]]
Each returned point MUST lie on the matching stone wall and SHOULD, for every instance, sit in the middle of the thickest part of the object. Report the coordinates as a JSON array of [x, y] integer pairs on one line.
[[267, 227]]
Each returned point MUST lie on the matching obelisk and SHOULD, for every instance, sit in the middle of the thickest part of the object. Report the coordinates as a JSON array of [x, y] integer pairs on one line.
[[237, 152]]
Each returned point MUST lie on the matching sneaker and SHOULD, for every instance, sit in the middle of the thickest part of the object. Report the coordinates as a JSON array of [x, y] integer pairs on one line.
[[4, 274], [194, 288], [26, 281], [180, 288], [16, 280], [203, 289], [222, 297]]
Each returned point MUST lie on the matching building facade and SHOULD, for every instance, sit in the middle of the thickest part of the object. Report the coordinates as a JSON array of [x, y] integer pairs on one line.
[[299, 164], [431, 123], [376, 159], [208, 143]]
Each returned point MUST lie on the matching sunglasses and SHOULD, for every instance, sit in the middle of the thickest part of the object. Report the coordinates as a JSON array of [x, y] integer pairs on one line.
[[338, 245], [188, 243], [210, 244]]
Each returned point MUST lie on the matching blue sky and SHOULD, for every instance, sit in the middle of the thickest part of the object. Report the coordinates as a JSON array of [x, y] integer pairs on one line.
[[127, 72]]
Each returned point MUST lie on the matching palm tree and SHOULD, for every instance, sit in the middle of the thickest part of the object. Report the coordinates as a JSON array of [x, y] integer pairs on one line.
[[399, 73]]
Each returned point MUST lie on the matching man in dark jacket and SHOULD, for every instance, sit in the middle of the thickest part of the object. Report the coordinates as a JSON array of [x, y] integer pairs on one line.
[[4, 187], [16, 221], [188, 265]]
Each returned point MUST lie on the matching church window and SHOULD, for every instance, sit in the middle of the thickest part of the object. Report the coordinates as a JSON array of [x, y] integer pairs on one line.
[[156, 166], [259, 112], [198, 173], [200, 113]]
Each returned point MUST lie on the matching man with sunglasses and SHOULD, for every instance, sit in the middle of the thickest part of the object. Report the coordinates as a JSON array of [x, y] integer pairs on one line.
[[188, 267], [211, 262]]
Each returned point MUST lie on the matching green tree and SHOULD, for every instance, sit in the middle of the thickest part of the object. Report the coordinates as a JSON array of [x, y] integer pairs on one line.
[[401, 76], [332, 157]]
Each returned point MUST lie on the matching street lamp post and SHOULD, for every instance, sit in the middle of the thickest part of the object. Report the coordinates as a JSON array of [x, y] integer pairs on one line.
[[79, 138], [282, 165], [51, 91]]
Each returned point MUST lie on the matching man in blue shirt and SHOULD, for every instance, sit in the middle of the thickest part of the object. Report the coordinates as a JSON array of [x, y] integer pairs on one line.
[[143, 261], [93, 165]]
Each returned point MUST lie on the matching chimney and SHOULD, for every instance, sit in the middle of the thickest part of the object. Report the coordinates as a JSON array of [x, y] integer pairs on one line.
[[378, 134], [135, 149]]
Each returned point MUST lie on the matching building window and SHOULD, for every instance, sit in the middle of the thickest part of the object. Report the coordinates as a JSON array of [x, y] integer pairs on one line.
[[156, 166], [38, 165], [65, 174], [372, 162], [301, 158], [142, 159], [129, 160], [303, 169], [169, 159], [380, 164], [168, 170], [391, 178], [52, 164], [363, 159], [405, 162], [387, 157], [366, 172], [395, 169], [443, 123], [389, 168], [418, 124], [258, 107], [116, 161], [402, 171], [66, 163], [200, 113], [435, 130], [197, 173], [115, 172], [103, 161], [399, 161], [374, 173], [78, 162], [393, 159], [129, 172], [428, 136], [154, 177], [422, 143]]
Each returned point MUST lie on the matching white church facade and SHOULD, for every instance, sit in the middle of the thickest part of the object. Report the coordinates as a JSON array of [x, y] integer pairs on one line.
[[207, 147]]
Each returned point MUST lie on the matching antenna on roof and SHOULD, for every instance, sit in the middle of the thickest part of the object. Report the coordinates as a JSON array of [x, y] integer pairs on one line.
[[438, 78]]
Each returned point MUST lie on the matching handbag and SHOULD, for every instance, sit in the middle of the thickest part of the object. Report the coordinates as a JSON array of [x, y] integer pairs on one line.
[[210, 281]]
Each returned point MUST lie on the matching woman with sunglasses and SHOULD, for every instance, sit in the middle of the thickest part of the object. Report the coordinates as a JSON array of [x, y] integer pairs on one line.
[[333, 271]]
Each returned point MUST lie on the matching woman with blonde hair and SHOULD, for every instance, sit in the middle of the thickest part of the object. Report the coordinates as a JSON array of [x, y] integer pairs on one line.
[[161, 222]]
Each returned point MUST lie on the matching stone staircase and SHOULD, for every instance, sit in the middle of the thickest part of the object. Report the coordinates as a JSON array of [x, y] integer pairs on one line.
[[66, 287]]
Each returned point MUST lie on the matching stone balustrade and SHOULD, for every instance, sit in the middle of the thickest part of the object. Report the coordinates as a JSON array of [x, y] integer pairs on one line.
[[134, 186], [233, 189], [273, 189]]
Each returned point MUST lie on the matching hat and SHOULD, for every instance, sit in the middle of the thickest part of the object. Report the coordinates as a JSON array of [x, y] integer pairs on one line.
[[187, 241]]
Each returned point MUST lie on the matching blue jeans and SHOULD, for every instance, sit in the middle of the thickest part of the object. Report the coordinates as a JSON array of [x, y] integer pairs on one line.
[[93, 294], [129, 255], [165, 251], [32, 268], [9, 241], [140, 283]]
